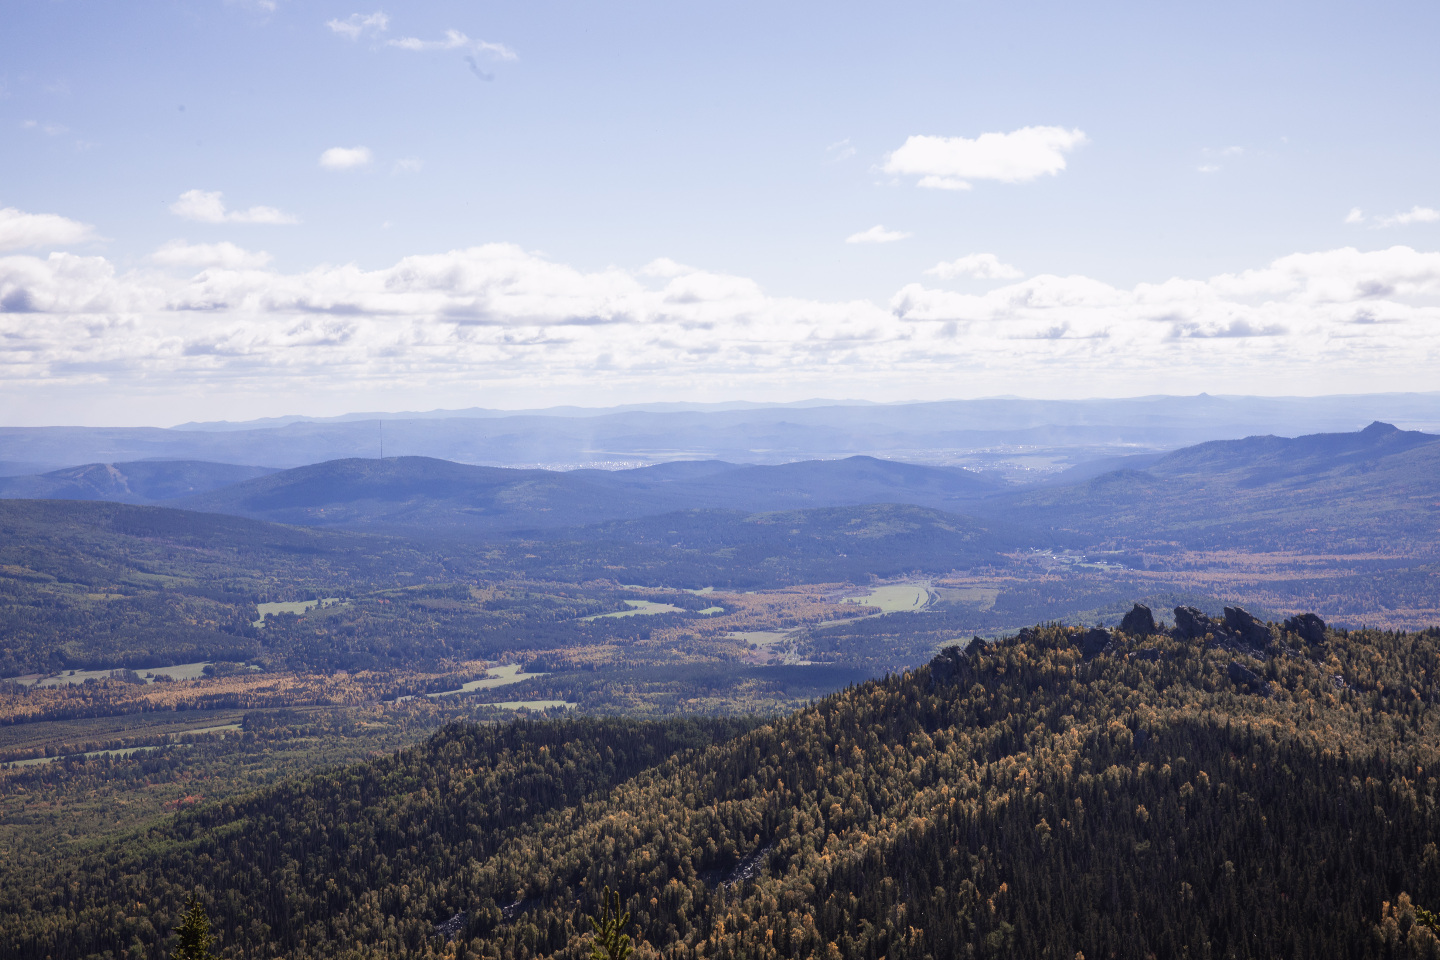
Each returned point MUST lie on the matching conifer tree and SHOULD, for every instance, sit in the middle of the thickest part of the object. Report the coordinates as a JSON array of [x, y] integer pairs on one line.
[[193, 932], [610, 943]]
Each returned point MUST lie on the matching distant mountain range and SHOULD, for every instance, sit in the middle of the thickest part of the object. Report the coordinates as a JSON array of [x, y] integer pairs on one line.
[[1377, 489], [1018, 437]]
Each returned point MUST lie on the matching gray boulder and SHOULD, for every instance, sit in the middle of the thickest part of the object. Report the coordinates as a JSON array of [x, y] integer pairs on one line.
[[1139, 622], [1307, 627], [1191, 624], [1246, 628]]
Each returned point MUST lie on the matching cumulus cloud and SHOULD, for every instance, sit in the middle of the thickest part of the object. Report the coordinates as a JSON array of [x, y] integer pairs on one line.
[[345, 158], [454, 40], [20, 230], [208, 206], [504, 315], [178, 253], [951, 163], [876, 234], [357, 25], [1356, 215], [981, 266]]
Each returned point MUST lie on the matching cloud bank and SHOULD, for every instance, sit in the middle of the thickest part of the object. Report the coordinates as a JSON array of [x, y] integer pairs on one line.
[[216, 317]]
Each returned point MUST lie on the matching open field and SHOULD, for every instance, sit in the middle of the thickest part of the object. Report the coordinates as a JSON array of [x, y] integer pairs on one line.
[[897, 597], [179, 671], [638, 608], [293, 606]]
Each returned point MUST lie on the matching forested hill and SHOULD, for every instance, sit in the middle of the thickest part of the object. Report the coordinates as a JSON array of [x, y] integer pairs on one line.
[[424, 495], [1230, 790], [1377, 489]]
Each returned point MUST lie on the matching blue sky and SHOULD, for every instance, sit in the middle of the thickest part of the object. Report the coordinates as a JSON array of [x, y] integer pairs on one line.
[[255, 208]]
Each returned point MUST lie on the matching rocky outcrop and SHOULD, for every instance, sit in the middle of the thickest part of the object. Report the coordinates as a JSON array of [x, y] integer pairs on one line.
[[1246, 628], [1190, 624], [1093, 642], [1307, 627], [1139, 622], [953, 664]]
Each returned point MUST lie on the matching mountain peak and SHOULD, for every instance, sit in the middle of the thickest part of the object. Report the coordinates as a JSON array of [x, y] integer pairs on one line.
[[1379, 428]]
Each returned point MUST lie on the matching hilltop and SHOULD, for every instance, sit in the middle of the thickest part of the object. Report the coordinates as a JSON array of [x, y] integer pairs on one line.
[[144, 481], [1376, 490], [1226, 788]]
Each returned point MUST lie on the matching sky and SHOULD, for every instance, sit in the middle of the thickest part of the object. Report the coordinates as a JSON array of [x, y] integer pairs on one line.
[[230, 210]]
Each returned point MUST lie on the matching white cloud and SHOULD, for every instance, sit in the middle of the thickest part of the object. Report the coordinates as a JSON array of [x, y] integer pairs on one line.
[[841, 150], [503, 316], [981, 266], [358, 24], [208, 206], [876, 234], [345, 158], [178, 253], [19, 230], [950, 163], [1416, 214], [453, 40], [408, 165]]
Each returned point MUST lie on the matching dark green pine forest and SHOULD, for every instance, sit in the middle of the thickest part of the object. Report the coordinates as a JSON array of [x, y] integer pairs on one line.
[[1213, 792]]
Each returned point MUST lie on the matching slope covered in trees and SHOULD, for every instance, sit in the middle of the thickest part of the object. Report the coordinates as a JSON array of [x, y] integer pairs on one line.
[[1372, 490], [1228, 789]]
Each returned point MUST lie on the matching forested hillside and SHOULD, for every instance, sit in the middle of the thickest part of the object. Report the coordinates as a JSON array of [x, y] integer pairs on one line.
[[1224, 788], [1376, 490]]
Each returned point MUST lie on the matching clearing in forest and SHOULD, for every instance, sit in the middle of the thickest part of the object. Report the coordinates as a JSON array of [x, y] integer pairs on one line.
[[897, 597]]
